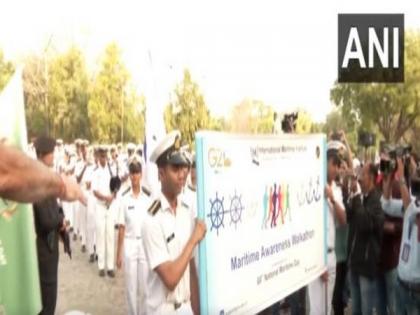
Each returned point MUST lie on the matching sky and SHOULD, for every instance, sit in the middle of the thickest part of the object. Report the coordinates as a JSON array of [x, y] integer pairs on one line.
[[281, 52]]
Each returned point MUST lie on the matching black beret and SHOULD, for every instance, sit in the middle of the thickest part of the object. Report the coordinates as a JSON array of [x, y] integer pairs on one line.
[[44, 145]]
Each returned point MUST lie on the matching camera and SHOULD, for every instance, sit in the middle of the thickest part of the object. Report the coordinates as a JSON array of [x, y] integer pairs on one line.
[[288, 124], [366, 139], [390, 166]]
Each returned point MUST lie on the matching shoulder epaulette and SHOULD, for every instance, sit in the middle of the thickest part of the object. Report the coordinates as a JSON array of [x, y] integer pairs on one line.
[[125, 192], [145, 191], [185, 205], [154, 208], [191, 188]]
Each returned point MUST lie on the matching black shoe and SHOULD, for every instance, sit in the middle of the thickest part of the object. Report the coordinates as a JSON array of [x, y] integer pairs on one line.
[[101, 273], [96, 257], [111, 273], [83, 249], [92, 258], [74, 237]]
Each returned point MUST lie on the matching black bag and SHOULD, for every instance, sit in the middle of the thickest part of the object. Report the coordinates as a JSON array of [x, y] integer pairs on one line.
[[115, 182]]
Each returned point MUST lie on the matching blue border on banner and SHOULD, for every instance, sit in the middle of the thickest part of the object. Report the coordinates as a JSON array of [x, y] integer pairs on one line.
[[203, 284], [324, 150]]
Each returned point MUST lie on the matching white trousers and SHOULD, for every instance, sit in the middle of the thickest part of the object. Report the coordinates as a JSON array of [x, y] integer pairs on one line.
[[81, 216], [105, 237], [68, 212], [317, 290], [135, 270], [91, 224]]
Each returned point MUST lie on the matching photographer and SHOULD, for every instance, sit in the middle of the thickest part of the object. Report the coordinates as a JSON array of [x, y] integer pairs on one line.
[[408, 284], [391, 241], [365, 218]]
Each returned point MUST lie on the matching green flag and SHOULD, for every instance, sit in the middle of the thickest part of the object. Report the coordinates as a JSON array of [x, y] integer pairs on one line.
[[19, 279]]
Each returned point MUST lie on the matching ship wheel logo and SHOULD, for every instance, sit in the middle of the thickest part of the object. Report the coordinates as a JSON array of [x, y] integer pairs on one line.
[[236, 209], [217, 213]]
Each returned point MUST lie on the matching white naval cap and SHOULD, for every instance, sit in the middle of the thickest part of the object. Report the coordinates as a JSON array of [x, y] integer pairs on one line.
[[168, 150], [131, 146]]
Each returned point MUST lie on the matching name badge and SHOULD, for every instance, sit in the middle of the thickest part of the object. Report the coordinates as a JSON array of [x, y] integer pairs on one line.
[[170, 237], [131, 208], [405, 253]]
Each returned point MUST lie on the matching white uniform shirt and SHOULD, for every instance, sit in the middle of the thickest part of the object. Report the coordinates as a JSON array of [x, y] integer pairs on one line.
[[133, 212], [165, 235], [338, 198], [100, 181], [409, 262]]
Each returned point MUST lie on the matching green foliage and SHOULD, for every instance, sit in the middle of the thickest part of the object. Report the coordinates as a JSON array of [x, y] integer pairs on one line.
[[304, 122], [6, 70], [391, 109], [68, 95], [187, 111], [115, 112], [38, 118]]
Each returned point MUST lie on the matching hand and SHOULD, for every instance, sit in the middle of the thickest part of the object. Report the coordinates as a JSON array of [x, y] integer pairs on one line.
[[324, 277], [199, 231], [119, 261], [109, 199], [64, 225], [342, 136], [400, 168], [328, 192], [72, 191]]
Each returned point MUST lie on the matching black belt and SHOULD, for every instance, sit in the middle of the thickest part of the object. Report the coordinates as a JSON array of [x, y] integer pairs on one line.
[[415, 287]]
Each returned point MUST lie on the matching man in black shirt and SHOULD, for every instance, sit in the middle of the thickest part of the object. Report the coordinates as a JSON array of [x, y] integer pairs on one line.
[[49, 220]]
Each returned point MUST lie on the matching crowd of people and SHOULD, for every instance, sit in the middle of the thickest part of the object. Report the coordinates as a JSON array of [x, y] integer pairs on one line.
[[373, 236], [120, 215], [373, 230]]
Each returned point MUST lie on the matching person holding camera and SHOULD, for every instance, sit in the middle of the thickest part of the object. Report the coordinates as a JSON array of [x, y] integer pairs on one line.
[[408, 283], [365, 218]]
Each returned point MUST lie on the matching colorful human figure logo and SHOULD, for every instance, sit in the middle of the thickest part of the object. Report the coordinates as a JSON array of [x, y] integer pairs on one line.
[[274, 201], [276, 206]]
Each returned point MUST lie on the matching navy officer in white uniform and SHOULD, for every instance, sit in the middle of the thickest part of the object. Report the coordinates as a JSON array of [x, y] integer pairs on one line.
[[134, 203], [170, 236]]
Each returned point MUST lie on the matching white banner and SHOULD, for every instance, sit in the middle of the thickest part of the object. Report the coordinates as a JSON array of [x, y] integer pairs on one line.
[[262, 199]]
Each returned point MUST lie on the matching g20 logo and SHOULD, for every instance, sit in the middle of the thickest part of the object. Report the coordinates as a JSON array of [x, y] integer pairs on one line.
[[217, 158]]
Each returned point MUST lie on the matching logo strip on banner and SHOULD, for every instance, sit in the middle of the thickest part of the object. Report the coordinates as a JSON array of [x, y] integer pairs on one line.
[[203, 283]]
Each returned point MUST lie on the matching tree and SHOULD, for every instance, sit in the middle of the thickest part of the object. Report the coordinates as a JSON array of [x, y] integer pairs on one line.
[[392, 109], [36, 98], [304, 122], [187, 111], [68, 96], [252, 116], [6, 70], [115, 111]]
